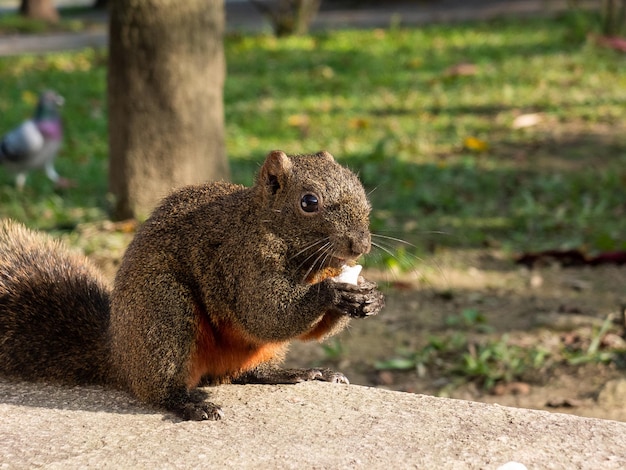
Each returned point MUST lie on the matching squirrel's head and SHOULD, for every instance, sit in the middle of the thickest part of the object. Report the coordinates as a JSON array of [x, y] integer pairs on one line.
[[318, 205]]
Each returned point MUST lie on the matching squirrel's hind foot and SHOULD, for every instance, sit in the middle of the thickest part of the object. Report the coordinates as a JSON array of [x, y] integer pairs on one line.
[[328, 375], [200, 412], [192, 405]]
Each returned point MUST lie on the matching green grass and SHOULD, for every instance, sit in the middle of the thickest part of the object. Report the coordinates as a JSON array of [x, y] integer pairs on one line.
[[436, 149]]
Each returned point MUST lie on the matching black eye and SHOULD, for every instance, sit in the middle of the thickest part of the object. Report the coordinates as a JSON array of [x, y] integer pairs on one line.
[[309, 203]]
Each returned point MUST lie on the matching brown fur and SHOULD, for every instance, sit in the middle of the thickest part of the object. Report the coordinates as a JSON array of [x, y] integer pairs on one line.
[[38, 276], [212, 289]]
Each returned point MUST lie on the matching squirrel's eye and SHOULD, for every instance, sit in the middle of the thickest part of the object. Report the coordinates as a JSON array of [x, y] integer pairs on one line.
[[309, 203]]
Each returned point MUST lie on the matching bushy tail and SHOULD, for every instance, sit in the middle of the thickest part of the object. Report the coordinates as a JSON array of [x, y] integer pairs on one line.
[[54, 311]]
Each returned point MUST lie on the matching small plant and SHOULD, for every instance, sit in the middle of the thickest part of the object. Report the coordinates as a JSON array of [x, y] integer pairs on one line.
[[485, 362], [469, 319], [593, 353], [435, 354], [497, 361]]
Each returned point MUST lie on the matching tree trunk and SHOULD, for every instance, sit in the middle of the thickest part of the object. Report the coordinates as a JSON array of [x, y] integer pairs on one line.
[[613, 17], [39, 9], [166, 118]]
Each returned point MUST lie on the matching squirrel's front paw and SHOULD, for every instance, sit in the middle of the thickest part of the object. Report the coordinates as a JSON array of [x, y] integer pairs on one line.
[[359, 301]]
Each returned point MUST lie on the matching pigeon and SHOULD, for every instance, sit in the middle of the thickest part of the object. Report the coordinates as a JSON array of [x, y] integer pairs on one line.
[[35, 143]]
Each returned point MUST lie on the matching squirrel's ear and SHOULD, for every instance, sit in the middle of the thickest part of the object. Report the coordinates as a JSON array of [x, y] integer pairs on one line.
[[326, 155], [275, 170]]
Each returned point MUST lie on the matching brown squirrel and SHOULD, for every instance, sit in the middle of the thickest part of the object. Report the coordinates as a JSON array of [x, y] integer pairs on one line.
[[212, 289]]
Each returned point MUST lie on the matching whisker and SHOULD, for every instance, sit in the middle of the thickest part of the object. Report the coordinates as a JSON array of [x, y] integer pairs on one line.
[[388, 249], [310, 246], [399, 240], [385, 249], [328, 254], [323, 253], [407, 258], [371, 191], [321, 250]]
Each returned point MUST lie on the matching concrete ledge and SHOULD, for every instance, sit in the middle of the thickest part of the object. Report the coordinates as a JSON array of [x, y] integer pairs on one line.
[[310, 425]]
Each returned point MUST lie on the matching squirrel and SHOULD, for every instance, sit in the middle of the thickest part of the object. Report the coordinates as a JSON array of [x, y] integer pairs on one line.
[[212, 289]]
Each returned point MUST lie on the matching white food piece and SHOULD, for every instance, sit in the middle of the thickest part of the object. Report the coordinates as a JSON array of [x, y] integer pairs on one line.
[[349, 274]]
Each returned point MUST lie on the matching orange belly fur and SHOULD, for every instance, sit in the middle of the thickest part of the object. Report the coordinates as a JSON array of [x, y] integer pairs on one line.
[[226, 354]]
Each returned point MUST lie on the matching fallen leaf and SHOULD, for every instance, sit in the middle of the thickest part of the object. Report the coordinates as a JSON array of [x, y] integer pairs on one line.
[[475, 144], [527, 120], [359, 123], [462, 69], [298, 120], [574, 257]]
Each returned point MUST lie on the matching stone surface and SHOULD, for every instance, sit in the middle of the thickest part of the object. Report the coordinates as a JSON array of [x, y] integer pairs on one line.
[[310, 425]]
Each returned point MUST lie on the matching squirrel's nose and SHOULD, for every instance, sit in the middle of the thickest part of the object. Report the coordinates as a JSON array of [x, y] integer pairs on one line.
[[361, 243]]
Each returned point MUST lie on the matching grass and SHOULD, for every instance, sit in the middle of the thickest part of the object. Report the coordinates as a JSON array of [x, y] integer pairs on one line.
[[432, 139]]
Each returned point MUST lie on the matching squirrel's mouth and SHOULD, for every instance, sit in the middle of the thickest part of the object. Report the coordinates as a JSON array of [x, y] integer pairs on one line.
[[331, 267], [340, 262]]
